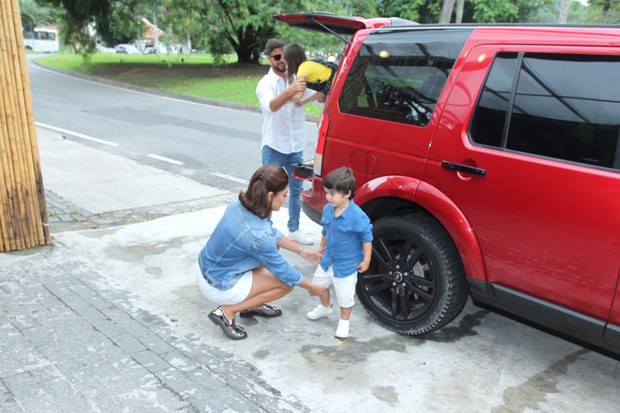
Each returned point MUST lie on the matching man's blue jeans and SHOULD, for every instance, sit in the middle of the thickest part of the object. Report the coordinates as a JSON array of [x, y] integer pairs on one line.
[[287, 160]]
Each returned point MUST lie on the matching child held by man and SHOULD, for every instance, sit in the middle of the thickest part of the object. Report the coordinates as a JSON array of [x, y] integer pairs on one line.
[[346, 245]]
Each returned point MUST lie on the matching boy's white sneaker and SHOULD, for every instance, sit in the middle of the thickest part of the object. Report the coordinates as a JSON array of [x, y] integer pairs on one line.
[[342, 331], [300, 237], [319, 311]]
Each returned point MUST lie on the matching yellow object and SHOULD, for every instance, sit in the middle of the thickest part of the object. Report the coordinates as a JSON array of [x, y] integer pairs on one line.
[[314, 72]]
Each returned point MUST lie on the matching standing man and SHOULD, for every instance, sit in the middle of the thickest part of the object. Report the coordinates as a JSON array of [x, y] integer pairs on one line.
[[284, 129]]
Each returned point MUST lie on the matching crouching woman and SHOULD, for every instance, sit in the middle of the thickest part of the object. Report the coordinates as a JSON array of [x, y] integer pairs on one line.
[[241, 267]]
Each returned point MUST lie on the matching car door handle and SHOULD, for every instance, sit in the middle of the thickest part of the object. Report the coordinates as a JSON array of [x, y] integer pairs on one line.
[[463, 168]]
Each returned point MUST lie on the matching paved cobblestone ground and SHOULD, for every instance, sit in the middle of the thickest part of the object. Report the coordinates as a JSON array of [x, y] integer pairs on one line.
[[71, 343], [61, 210]]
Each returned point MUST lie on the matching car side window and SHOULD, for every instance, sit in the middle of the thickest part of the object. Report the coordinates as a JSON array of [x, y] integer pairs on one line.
[[396, 79], [560, 106]]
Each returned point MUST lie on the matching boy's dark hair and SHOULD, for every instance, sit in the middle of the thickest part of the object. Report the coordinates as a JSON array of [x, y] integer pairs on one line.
[[341, 180], [273, 44]]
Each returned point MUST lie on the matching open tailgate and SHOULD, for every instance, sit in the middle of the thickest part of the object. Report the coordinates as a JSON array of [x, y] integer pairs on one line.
[[339, 24]]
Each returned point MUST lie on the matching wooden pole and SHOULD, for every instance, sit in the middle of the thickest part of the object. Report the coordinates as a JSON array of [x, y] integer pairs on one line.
[[9, 216], [35, 161], [37, 205], [23, 211]]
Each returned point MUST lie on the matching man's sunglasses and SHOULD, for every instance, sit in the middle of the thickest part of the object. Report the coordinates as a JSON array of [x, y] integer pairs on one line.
[[277, 57]]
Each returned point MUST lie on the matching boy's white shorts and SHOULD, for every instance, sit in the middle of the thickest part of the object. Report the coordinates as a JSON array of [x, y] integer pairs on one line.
[[344, 287]]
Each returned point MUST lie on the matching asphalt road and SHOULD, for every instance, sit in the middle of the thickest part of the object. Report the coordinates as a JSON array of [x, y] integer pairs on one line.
[[216, 146]]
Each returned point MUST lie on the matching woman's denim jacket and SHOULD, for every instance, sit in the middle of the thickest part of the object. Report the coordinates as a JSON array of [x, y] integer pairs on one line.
[[241, 242]]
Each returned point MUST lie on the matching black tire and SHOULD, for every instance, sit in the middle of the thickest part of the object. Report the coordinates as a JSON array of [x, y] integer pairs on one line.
[[415, 283]]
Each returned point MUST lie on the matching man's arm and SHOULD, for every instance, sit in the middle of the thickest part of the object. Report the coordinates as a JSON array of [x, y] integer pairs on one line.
[[317, 96], [277, 102]]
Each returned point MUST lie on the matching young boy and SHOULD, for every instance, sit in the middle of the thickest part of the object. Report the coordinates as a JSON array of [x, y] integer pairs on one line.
[[346, 246]]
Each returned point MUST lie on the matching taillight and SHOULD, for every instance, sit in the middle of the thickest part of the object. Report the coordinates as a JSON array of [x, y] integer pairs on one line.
[[320, 144]]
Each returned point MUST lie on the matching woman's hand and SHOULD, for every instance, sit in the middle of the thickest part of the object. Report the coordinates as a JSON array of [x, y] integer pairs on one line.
[[313, 289], [316, 290], [312, 256]]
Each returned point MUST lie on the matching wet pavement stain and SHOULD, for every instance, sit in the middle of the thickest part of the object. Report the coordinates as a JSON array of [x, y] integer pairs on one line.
[[185, 291], [261, 354], [385, 393], [465, 328], [135, 253], [351, 350], [101, 232], [528, 396], [156, 271]]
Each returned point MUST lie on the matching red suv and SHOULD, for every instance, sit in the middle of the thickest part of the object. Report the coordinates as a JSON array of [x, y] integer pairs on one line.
[[488, 159]]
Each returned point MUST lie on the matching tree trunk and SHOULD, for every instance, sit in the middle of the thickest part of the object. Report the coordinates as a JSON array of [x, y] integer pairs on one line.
[[246, 48], [606, 7], [245, 56], [460, 5], [446, 11], [564, 5]]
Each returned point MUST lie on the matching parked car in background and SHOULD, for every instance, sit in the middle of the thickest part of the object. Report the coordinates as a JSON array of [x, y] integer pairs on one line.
[[488, 159], [127, 48]]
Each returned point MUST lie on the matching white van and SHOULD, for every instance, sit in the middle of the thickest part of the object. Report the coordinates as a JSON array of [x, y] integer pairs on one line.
[[42, 40]]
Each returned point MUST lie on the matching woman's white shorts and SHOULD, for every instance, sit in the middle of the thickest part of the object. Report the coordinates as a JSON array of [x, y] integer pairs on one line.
[[238, 293]]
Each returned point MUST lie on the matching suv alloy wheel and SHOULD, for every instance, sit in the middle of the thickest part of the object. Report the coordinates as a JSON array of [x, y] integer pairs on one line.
[[415, 283]]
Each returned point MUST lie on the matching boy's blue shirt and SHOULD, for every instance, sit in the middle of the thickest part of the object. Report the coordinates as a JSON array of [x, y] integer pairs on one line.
[[345, 235], [241, 242]]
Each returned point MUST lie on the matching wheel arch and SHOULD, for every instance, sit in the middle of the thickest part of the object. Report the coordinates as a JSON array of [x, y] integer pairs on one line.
[[396, 195]]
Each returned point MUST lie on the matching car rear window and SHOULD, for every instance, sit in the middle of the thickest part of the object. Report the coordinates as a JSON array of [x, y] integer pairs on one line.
[[398, 75]]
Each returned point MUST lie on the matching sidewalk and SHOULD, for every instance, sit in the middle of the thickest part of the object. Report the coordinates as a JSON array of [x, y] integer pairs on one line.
[[73, 342], [97, 189]]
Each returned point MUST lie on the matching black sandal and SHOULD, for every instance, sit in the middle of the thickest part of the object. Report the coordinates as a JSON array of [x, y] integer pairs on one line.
[[233, 331], [265, 310]]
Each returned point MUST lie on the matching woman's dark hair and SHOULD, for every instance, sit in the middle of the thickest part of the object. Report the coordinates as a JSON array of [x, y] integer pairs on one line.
[[267, 178], [294, 55], [342, 180]]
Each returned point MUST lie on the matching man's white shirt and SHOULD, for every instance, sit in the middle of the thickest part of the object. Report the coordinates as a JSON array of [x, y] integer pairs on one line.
[[285, 129]]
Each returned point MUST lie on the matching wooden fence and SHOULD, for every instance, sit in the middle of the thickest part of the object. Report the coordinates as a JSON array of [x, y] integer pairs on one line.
[[23, 212]]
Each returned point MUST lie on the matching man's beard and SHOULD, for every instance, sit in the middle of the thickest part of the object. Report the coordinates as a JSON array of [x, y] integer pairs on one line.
[[277, 69]]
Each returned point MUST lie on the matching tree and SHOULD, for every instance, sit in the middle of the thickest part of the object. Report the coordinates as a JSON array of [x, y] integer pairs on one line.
[[603, 12], [185, 19], [460, 6], [182, 20], [34, 14], [421, 11], [113, 20], [446, 11], [474, 11], [244, 25]]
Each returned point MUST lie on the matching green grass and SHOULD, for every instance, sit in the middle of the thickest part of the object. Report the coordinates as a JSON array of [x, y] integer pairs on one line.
[[228, 89], [74, 63], [194, 75]]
